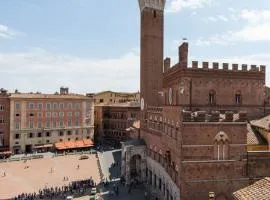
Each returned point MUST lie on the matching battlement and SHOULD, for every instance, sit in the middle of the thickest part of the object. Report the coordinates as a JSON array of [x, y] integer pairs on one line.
[[207, 66], [213, 116], [154, 4], [167, 64], [227, 67], [215, 67]]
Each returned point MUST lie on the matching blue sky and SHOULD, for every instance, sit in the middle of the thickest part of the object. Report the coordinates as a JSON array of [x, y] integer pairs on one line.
[[93, 45]]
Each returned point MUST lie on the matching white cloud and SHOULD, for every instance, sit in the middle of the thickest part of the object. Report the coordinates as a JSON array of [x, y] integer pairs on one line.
[[221, 39], [260, 32], [217, 18], [193, 13], [6, 33], [39, 70], [256, 28], [212, 19], [255, 16], [223, 18], [177, 5], [233, 10]]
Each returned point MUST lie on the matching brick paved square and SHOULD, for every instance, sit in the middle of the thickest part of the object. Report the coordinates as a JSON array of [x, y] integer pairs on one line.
[[19, 179]]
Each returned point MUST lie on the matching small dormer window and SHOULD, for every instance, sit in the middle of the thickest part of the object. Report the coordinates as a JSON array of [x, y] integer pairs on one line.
[[155, 14]]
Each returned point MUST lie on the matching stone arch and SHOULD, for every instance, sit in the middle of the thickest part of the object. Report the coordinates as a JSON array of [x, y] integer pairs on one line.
[[221, 146], [135, 166]]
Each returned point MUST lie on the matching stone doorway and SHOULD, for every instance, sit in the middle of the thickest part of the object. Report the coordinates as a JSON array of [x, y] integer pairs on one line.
[[135, 167], [28, 148]]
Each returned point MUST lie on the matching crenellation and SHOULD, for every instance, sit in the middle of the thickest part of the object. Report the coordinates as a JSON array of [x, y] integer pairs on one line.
[[186, 116], [225, 66], [167, 64], [244, 67], [194, 64], [253, 68], [228, 116], [200, 116], [242, 116], [262, 68], [215, 116], [217, 98], [235, 67], [215, 65], [205, 65], [154, 4]]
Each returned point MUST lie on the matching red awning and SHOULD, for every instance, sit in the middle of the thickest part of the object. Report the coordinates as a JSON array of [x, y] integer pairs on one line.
[[88, 143], [74, 144]]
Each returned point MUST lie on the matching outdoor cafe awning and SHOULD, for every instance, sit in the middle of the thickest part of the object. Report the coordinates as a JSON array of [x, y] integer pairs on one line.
[[43, 146], [74, 144], [5, 153]]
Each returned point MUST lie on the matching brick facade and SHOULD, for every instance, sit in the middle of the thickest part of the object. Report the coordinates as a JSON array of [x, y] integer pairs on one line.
[[4, 120], [111, 121], [193, 118]]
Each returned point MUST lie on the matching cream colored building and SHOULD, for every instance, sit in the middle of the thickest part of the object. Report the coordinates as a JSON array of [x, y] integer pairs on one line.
[[115, 97], [38, 120]]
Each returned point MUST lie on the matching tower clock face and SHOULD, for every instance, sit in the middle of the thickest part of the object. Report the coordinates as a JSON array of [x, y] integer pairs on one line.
[[142, 104], [170, 96]]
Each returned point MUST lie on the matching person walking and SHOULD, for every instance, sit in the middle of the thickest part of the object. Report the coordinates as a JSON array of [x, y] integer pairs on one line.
[[145, 195]]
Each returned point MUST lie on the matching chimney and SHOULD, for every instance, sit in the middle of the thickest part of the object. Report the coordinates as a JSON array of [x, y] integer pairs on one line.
[[183, 54], [63, 90]]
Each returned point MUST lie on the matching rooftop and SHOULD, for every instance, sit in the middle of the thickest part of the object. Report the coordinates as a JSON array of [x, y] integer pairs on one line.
[[134, 142], [254, 137], [262, 123], [108, 91], [125, 104], [47, 96], [258, 190]]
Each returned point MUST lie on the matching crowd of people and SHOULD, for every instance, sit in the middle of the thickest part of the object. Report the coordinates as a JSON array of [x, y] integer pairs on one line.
[[74, 188]]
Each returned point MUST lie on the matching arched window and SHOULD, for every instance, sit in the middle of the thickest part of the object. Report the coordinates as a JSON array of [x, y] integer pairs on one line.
[[212, 97], [221, 146], [238, 98]]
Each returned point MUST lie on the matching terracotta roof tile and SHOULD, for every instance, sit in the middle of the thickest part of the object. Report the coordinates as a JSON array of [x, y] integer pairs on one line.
[[262, 123], [253, 137], [47, 96], [126, 104], [259, 190]]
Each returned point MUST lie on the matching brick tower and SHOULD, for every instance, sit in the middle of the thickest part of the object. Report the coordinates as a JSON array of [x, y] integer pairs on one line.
[[152, 23]]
